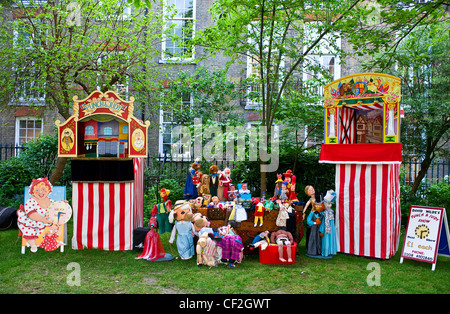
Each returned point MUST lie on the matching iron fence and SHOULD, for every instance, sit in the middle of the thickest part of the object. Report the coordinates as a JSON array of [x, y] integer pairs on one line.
[[9, 150], [439, 171]]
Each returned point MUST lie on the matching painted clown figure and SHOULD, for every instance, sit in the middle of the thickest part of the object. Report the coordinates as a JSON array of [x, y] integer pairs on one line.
[[33, 217]]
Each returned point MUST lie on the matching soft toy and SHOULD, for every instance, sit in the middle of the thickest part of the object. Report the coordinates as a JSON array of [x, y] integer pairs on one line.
[[281, 238]]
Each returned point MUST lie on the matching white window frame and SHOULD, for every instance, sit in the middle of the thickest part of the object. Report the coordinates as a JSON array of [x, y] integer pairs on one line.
[[18, 137], [251, 104], [164, 58], [175, 157]]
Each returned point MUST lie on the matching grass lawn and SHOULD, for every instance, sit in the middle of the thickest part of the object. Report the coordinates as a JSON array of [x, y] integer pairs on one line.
[[105, 272]]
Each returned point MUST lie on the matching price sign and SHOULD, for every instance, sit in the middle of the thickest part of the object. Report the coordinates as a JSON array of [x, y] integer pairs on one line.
[[423, 234]]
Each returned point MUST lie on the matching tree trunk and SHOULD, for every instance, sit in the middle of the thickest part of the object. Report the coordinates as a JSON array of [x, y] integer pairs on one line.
[[263, 180], [58, 170], [425, 164]]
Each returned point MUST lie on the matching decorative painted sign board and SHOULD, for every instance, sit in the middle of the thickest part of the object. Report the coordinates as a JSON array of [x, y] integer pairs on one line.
[[427, 235], [102, 125]]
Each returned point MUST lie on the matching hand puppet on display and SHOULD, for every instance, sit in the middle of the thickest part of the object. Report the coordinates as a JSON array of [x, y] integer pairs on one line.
[[206, 251], [224, 182], [327, 228], [277, 192], [259, 213], [204, 186], [213, 180], [183, 225], [314, 222], [284, 191], [261, 240], [192, 180], [283, 214], [281, 238], [153, 249], [198, 202], [231, 245], [292, 195], [163, 210], [309, 190], [200, 225]]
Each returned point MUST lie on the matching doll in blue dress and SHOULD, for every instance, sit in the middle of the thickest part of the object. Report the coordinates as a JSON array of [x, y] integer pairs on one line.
[[329, 242]]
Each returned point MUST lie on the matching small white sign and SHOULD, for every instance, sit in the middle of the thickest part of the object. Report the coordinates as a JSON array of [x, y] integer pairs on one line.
[[423, 233]]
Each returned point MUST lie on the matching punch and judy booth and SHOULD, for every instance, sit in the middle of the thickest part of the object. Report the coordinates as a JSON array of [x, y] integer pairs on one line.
[[362, 137], [107, 145]]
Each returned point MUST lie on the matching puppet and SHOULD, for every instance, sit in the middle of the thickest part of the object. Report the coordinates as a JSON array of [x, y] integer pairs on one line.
[[204, 186], [262, 240], [282, 215], [153, 248], [33, 217], [224, 182], [231, 245], [284, 191], [206, 251], [327, 228], [192, 180], [277, 191], [281, 238], [163, 210], [314, 222], [292, 195], [243, 190], [183, 225], [259, 213], [213, 180], [309, 190]]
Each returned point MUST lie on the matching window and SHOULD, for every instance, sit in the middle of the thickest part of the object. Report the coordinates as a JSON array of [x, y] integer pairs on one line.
[[28, 128], [167, 124], [177, 45], [107, 131], [323, 58], [89, 130]]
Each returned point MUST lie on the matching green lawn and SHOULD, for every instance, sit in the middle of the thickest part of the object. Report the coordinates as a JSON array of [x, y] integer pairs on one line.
[[104, 272]]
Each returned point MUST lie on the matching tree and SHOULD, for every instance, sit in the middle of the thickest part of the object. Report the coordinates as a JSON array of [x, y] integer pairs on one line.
[[53, 50], [280, 35], [422, 62]]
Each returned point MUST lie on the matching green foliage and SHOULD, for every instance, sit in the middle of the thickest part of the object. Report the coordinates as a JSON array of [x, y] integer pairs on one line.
[[36, 160]]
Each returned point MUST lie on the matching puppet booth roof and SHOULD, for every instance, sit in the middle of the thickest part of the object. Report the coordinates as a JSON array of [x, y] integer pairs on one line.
[[366, 91]]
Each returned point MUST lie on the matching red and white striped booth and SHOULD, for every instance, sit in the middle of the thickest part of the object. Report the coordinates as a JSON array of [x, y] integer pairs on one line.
[[106, 213], [362, 124], [107, 184]]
